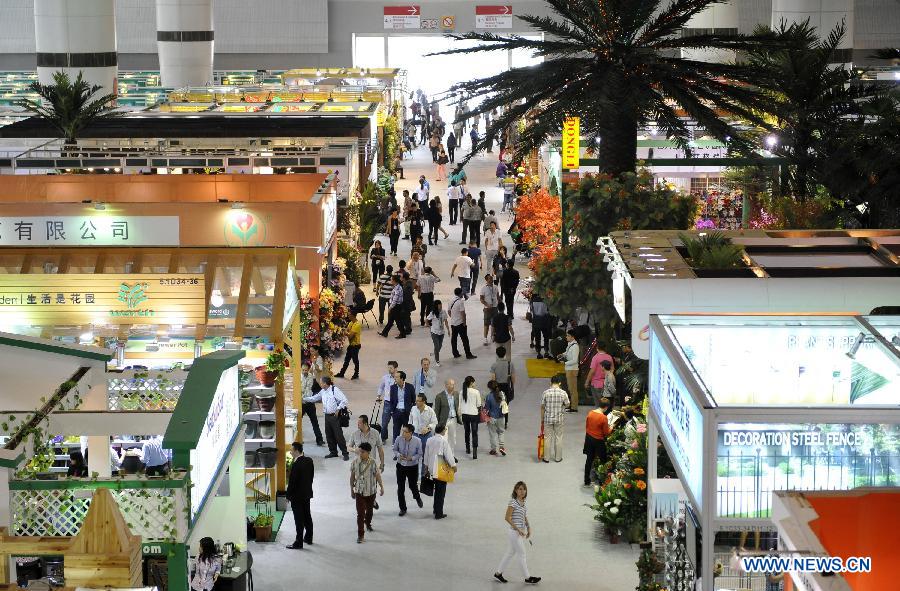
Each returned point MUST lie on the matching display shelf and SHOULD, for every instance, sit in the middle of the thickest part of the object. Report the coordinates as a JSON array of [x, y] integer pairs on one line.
[[259, 388], [259, 415]]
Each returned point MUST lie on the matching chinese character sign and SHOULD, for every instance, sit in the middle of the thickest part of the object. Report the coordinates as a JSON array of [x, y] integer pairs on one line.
[[102, 229], [104, 299]]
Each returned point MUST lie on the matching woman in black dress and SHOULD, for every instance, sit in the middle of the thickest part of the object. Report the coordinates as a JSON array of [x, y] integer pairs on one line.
[[393, 230], [376, 255]]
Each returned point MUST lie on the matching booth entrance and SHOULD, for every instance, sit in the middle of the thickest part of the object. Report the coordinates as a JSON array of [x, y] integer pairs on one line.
[[748, 406]]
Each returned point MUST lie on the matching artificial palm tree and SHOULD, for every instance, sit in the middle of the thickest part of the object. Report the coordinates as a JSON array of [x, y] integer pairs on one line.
[[69, 106], [619, 64], [811, 94]]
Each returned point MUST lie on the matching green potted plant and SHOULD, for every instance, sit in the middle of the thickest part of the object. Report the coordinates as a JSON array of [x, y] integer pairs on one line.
[[714, 255], [273, 369], [263, 526]]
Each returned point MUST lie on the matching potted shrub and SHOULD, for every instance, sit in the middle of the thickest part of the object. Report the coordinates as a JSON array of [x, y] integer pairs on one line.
[[273, 370], [714, 255], [263, 527]]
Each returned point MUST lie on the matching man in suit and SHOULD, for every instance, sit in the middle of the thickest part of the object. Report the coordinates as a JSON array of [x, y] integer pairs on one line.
[[446, 407], [403, 397], [299, 493]]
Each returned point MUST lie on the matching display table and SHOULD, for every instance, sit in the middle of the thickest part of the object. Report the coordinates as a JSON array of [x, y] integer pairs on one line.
[[237, 576]]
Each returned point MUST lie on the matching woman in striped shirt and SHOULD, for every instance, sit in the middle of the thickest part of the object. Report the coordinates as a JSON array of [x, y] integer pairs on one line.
[[520, 530]]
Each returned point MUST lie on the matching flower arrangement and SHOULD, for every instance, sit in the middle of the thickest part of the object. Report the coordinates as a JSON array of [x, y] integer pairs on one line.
[[722, 209], [333, 315]]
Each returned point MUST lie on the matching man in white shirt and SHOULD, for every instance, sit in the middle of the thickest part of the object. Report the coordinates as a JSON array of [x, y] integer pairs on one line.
[[425, 285], [462, 268], [453, 198], [492, 244], [458, 328], [332, 401], [423, 419], [438, 450], [490, 297], [425, 379], [383, 394]]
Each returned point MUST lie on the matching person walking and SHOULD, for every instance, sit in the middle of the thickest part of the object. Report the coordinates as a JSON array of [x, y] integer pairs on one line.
[[439, 326], [509, 283], [416, 265], [502, 331], [502, 372], [364, 477], [383, 395], [442, 161], [402, 399], [393, 230], [333, 400], [416, 223], [453, 198], [520, 530], [471, 215], [376, 259], [541, 324], [451, 147], [395, 307], [309, 408], [570, 358], [553, 402], [409, 306], [384, 291], [425, 379], [599, 374], [489, 297], [438, 207], [458, 328], [434, 143], [494, 404], [425, 286], [438, 451], [434, 222], [423, 419], [475, 255], [408, 204], [408, 451], [470, 409], [596, 430], [492, 243], [462, 268], [365, 433], [446, 407], [354, 344], [299, 493]]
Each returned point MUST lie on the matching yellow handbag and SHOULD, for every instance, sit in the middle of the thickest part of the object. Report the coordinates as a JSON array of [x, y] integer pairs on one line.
[[444, 472]]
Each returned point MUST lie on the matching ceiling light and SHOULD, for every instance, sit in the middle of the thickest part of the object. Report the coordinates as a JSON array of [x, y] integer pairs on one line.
[[86, 338], [771, 141], [216, 299]]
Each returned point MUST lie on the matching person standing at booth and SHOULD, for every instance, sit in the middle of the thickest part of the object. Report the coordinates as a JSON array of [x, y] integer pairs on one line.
[[333, 400], [299, 493]]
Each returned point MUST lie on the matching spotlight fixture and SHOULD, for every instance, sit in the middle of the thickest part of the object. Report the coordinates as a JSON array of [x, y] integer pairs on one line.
[[771, 141]]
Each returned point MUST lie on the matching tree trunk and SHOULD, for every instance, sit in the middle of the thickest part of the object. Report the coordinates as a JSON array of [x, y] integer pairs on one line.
[[617, 151]]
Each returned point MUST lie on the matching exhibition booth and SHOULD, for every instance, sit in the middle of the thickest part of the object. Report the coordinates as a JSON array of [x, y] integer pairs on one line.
[[749, 405], [116, 523]]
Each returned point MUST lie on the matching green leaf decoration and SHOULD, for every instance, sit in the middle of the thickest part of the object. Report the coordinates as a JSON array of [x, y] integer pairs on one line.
[[864, 381]]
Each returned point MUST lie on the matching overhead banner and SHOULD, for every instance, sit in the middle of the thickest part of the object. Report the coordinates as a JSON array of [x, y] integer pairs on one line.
[[403, 17], [103, 299], [571, 140], [89, 230], [493, 17]]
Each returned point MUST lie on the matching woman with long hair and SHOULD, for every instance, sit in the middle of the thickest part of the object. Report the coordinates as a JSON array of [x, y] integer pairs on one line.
[[77, 467], [393, 230], [439, 325], [439, 208], [376, 256], [206, 567], [442, 161], [470, 409], [520, 530]]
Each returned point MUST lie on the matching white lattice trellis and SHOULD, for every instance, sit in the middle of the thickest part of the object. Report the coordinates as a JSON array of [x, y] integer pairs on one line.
[[141, 390], [154, 514]]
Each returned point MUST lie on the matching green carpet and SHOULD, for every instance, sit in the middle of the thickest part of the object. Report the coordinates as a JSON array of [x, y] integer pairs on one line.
[[253, 511]]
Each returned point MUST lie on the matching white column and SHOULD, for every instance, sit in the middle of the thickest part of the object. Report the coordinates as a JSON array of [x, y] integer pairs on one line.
[[822, 14], [77, 36], [184, 34]]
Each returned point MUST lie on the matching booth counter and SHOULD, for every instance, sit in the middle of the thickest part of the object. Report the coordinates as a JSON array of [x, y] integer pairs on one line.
[[750, 405]]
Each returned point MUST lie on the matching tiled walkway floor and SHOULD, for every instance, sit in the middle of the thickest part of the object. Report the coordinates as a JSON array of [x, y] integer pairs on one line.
[[461, 552]]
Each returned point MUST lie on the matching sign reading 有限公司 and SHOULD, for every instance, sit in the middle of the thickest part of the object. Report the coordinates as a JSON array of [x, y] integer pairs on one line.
[[402, 17], [493, 17], [219, 428], [571, 142], [679, 418], [89, 230], [82, 299]]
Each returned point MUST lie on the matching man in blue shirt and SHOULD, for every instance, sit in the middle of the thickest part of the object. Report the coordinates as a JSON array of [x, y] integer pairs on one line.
[[408, 452], [403, 396]]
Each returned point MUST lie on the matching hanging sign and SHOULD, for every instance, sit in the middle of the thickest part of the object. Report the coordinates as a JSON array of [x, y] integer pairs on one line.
[[571, 140], [89, 230], [402, 17], [102, 299], [493, 17]]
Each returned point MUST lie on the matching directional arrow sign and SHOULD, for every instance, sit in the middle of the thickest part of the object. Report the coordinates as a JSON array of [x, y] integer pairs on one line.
[[493, 17], [402, 17]]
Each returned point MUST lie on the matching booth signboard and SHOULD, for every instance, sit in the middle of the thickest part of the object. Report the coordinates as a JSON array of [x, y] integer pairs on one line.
[[678, 417], [291, 299], [494, 17], [402, 17], [102, 299], [755, 459], [329, 219], [89, 230], [571, 143], [219, 429]]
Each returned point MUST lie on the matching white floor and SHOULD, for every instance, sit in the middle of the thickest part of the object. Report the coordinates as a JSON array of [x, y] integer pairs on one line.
[[461, 552]]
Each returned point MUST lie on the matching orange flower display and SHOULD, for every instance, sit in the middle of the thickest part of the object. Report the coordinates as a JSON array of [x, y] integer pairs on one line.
[[640, 484], [539, 217], [639, 471]]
